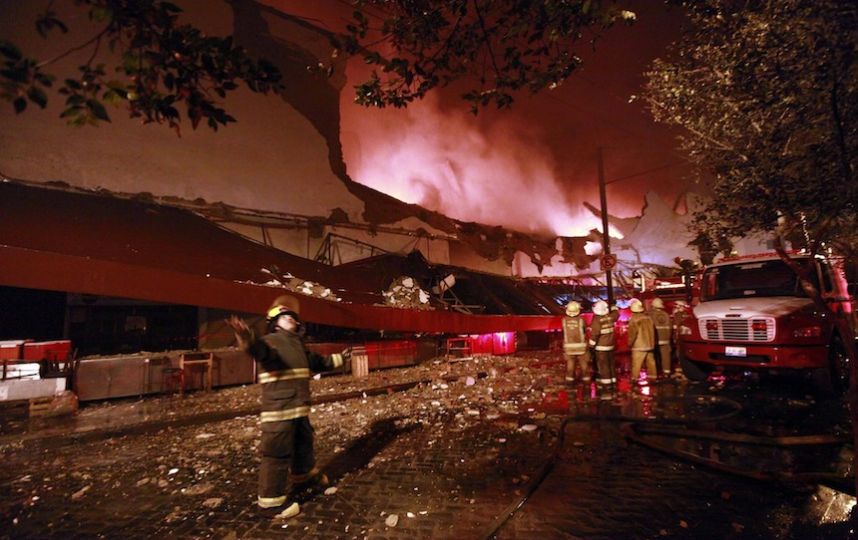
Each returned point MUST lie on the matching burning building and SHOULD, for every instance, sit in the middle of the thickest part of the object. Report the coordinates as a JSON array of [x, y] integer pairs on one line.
[[149, 238]]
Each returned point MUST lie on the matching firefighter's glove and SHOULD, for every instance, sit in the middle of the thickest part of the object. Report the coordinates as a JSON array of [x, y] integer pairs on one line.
[[243, 333], [347, 359]]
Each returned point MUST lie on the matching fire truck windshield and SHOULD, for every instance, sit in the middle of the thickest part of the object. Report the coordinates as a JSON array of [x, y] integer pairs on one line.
[[747, 279]]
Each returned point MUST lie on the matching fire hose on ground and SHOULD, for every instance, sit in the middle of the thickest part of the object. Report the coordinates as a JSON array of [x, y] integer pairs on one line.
[[633, 428]]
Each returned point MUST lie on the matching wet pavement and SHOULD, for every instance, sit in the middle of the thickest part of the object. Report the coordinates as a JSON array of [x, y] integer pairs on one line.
[[494, 447]]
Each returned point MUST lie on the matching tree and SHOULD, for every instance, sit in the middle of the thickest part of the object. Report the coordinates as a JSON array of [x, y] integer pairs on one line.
[[498, 46], [162, 64], [418, 45], [767, 94]]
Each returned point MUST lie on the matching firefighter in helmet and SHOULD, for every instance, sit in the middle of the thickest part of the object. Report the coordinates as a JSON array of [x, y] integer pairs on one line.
[[575, 343], [641, 342], [663, 331], [678, 317], [284, 369], [603, 341]]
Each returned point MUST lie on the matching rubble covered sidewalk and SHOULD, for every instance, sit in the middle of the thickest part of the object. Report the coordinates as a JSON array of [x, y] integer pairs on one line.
[[478, 448]]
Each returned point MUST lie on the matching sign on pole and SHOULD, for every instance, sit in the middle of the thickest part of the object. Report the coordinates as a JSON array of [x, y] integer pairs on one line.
[[608, 262]]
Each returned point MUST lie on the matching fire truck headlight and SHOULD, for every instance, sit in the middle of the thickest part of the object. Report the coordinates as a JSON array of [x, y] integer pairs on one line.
[[808, 332]]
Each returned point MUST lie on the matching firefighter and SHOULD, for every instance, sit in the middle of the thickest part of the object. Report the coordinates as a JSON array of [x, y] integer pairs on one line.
[[602, 340], [575, 343], [680, 313], [641, 342], [663, 333], [284, 368]]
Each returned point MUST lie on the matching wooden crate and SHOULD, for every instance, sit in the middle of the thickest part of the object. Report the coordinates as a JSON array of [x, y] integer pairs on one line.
[[40, 406]]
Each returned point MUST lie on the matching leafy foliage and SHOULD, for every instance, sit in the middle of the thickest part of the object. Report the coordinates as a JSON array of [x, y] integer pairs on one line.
[[768, 95], [164, 65], [499, 46]]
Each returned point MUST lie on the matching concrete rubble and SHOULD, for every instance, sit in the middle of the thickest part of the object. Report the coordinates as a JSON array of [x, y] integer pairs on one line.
[[404, 292]]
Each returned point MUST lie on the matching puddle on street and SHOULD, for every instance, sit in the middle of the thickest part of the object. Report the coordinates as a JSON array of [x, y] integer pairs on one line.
[[661, 401], [765, 431]]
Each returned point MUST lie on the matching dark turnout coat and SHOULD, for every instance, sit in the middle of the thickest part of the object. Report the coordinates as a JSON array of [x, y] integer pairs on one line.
[[284, 370]]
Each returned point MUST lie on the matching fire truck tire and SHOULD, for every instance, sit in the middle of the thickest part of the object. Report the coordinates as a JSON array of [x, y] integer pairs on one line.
[[693, 370], [839, 368], [823, 382], [833, 380]]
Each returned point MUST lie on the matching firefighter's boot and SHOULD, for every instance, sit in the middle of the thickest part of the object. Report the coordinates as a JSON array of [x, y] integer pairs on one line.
[[314, 477], [289, 512]]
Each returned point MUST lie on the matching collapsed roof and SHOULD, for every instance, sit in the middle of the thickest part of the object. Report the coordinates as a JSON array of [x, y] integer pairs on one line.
[[96, 243]]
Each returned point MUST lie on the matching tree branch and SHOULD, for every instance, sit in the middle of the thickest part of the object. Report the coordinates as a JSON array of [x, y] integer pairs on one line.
[[94, 50], [94, 39], [698, 133], [488, 40], [839, 135]]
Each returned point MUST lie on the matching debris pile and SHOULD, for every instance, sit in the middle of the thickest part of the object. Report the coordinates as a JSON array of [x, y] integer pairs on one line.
[[405, 293], [298, 285]]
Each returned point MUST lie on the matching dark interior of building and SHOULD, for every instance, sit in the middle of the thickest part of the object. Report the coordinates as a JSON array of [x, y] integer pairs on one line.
[[31, 314]]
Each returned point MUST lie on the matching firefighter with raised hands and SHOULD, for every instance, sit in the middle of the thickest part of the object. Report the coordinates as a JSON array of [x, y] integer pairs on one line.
[[663, 332], [642, 342], [575, 343], [284, 369], [602, 340]]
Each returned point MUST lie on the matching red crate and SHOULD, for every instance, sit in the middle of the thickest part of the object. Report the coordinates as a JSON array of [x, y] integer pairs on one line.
[[11, 350], [57, 351], [380, 354], [384, 354], [496, 343]]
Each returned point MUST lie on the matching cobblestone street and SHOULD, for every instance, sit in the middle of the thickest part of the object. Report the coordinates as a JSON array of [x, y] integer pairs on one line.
[[452, 456]]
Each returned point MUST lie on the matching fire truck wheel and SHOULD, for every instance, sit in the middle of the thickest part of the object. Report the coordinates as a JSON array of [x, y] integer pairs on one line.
[[693, 370], [833, 380], [823, 382], [838, 361]]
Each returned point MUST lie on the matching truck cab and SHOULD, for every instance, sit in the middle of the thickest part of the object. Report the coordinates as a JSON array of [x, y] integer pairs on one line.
[[753, 314]]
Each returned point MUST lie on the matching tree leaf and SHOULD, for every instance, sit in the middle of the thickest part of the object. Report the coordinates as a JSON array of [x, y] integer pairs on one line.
[[97, 109], [100, 13], [37, 96]]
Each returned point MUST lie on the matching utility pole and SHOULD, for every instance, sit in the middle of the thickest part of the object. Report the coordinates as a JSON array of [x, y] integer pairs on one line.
[[606, 239]]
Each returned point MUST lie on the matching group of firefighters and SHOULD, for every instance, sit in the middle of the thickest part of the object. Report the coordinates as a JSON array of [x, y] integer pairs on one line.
[[286, 366], [651, 338]]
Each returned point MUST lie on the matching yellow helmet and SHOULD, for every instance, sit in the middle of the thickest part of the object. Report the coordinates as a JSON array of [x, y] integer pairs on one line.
[[636, 305], [657, 303], [573, 308], [600, 308], [283, 304]]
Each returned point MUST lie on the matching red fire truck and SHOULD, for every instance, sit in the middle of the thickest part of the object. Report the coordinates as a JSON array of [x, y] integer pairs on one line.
[[753, 314]]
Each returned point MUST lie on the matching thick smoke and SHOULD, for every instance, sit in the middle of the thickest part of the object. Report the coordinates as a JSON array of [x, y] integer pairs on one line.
[[501, 173]]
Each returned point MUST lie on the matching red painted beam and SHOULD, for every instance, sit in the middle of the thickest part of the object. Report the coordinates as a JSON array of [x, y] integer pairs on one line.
[[34, 269]]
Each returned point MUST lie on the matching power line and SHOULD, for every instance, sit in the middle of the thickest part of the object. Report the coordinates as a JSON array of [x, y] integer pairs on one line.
[[654, 169]]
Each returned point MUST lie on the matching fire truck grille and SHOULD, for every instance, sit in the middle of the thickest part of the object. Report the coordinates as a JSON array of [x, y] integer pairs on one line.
[[751, 330]]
